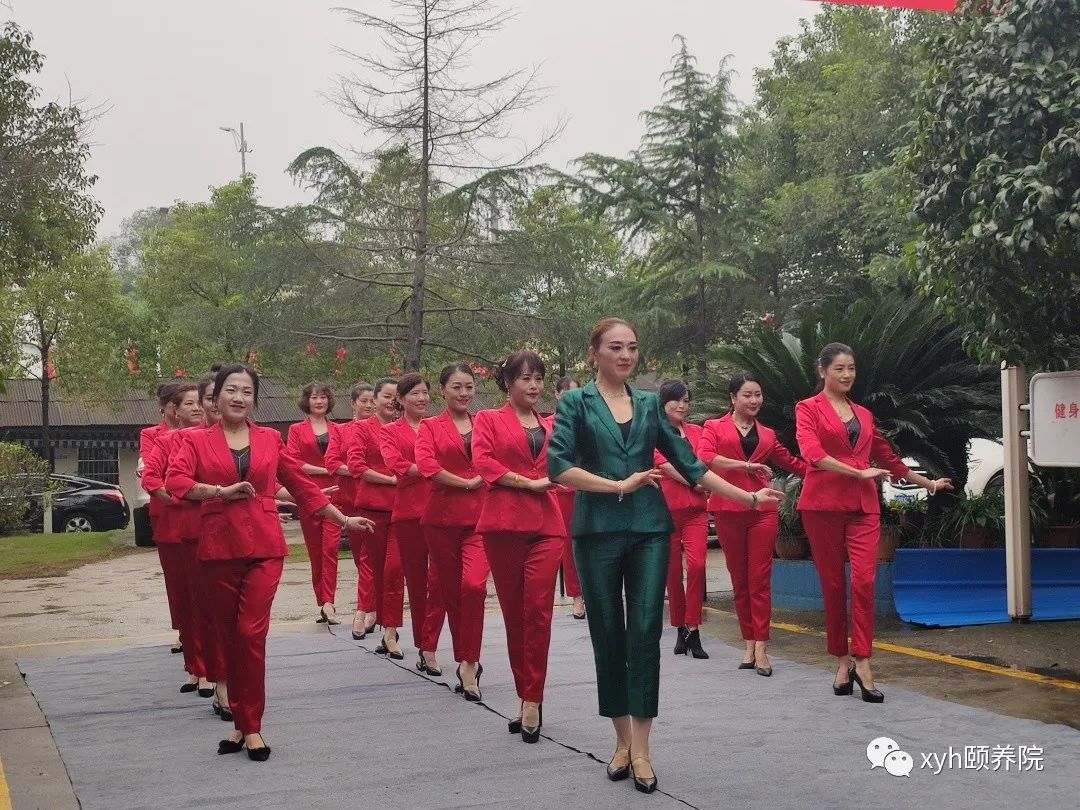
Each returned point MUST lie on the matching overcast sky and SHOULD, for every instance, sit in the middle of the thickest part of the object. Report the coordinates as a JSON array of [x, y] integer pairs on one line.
[[170, 74]]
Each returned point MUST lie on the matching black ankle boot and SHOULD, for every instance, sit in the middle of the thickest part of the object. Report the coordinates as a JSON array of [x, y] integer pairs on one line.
[[680, 642], [693, 644]]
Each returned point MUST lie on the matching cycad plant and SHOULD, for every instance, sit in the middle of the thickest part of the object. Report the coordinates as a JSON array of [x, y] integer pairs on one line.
[[928, 397]]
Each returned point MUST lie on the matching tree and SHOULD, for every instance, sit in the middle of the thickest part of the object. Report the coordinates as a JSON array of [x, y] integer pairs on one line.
[[817, 191], [438, 121], [563, 261], [71, 322], [998, 156], [928, 397], [222, 281], [46, 213], [673, 195]]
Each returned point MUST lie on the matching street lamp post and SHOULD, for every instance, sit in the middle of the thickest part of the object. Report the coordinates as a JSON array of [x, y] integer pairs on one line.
[[241, 146]]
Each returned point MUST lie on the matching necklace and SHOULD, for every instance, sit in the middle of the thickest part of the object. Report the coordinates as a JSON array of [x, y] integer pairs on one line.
[[609, 394], [742, 428]]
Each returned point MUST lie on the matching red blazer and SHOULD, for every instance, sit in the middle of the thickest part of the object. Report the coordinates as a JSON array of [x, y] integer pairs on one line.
[[439, 446], [148, 439], [680, 497], [166, 516], [499, 447], [722, 438], [365, 454], [302, 445], [397, 444], [248, 528], [820, 433], [337, 456]]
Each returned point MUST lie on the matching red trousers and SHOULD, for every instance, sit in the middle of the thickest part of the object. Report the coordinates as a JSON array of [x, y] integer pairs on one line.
[[385, 560], [426, 609], [829, 533], [176, 585], [458, 554], [525, 568], [748, 539], [241, 593], [323, 539], [569, 568], [691, 537], [194, 625], [365, 574]]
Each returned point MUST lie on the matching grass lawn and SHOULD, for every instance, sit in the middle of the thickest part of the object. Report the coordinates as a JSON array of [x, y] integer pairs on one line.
[[298, 551], [53, 555]]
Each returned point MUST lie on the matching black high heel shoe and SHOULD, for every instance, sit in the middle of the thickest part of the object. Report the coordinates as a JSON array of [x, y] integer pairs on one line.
[[205, 693], [382, 649], [472, 697], [642, 784], [845, 688], [422, 666], [680, 641], [230, 747], [514, 726], [532, 734], [222, 711], [868, 695], [693, 644], [260, 754], [358, 635], [188, 687], [620, 773]]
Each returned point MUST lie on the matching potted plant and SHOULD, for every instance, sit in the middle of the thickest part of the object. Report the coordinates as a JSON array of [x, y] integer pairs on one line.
[[1061, 496], [973, 522], [889, 536], [911, 517], [791, 541]]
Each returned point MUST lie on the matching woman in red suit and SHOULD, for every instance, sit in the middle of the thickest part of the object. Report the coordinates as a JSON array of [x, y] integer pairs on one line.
[[148, 438], [691, 536], [522, 527], [309, 440], [171, 527], [376, 486], [397, 442], [444, 456], [362, 398], [740, 449], [233, 469], [213, 653], [565, 496], [840, 509]]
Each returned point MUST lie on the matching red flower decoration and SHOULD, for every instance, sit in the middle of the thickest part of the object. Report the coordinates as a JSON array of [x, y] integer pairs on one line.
[[311, 348], [180, 373], [768, 319]]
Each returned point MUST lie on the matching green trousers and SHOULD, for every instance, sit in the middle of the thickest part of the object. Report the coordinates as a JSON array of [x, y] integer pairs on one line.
[[626, 643]]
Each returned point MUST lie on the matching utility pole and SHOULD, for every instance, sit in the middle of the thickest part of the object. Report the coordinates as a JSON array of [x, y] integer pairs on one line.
[[241, 146]]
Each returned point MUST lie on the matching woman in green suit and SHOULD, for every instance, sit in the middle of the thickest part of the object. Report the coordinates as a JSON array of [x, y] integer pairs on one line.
[[602, 446]]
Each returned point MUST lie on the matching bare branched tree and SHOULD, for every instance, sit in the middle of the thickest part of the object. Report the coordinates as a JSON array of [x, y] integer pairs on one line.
[[454, 134]]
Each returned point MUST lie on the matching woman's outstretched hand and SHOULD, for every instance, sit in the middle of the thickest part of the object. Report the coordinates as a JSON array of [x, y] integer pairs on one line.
[[645, 478], [767, 495]]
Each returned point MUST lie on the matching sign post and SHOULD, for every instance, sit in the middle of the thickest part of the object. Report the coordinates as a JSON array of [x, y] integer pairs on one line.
[[1014, 426], [1055, 419]]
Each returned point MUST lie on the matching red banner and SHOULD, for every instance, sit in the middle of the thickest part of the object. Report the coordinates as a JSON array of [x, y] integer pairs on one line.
[[919, 5]]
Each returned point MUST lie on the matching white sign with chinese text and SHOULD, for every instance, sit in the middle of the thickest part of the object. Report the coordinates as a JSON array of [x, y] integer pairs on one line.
[[1055, 419]]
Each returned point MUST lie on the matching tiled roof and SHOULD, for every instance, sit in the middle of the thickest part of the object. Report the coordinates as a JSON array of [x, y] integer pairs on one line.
[[20, 406]]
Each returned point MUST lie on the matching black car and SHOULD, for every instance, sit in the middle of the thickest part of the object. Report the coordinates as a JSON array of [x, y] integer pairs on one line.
[[81, 505]]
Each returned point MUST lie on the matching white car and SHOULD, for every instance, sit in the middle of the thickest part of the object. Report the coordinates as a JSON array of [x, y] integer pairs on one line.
[[986, 472]]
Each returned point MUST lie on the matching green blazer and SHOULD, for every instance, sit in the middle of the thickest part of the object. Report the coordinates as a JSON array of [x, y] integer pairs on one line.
[[587, 436]]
